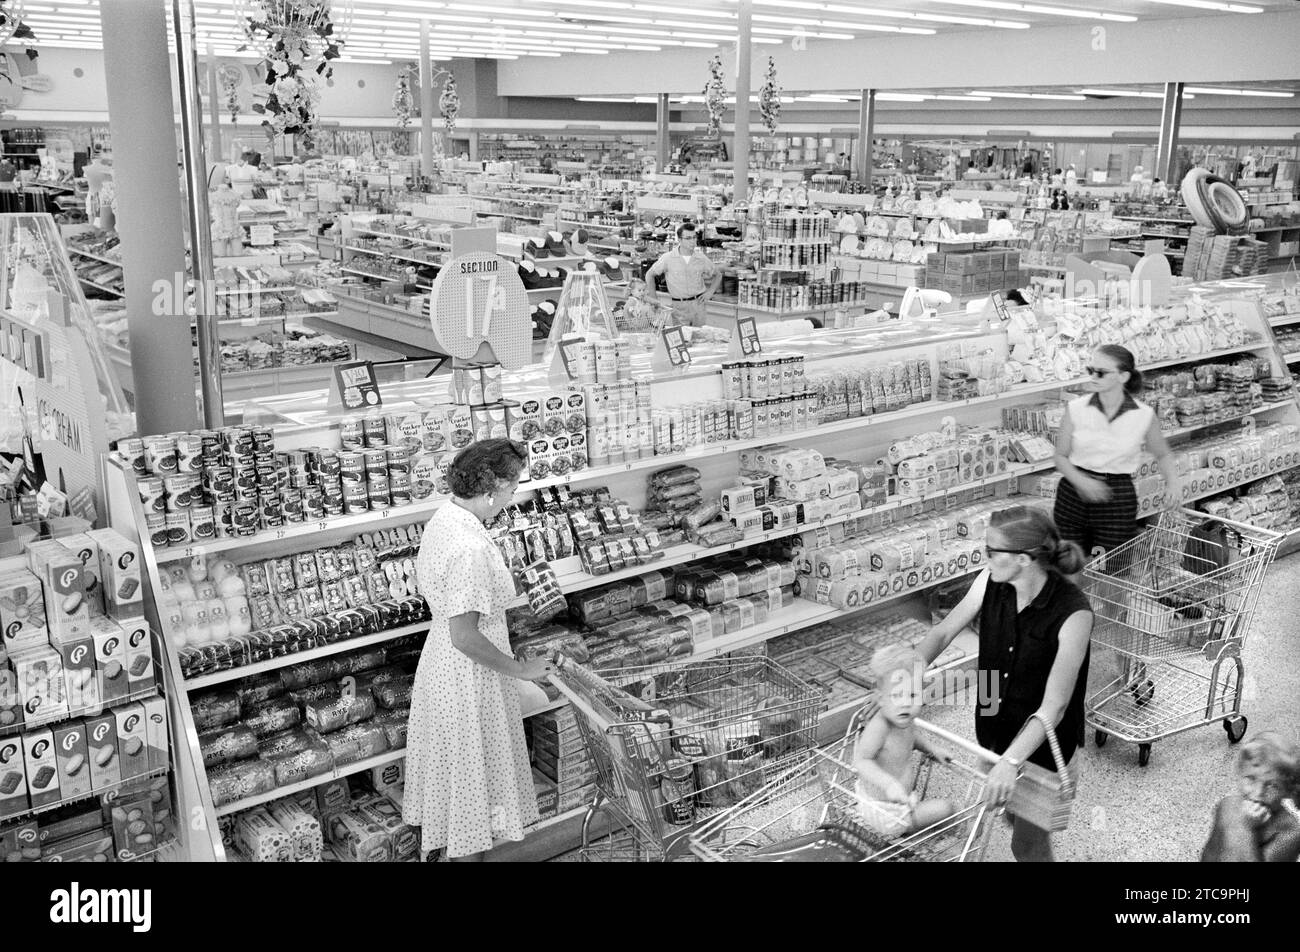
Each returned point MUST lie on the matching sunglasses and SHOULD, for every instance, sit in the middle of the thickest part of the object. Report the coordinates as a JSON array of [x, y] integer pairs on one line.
[[989, 550], [1098, 372]]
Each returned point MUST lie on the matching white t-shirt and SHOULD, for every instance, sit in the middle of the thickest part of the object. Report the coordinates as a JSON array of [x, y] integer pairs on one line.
[[1108, 446], [241, 173]]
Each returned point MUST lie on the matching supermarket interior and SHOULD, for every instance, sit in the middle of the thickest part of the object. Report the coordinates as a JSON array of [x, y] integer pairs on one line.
[[744, 331]]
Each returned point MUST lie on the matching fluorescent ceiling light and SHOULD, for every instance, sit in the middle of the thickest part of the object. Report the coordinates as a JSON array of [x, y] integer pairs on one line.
[[1223, 91], [1139, 93], [372, 62], [695, 11], [900, 97], [511, 11], [1002, 95], [599, 4], [1038, 8], [1212, 5], [907, 15]]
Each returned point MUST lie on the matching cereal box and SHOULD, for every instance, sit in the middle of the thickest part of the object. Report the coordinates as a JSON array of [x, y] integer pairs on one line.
[[42, 767], [79, 675], [110, 660], [71, 758], [132, 740], [101, 744], [119, 573], [139, 663], [13, 777], [60, 571], [87, 550]]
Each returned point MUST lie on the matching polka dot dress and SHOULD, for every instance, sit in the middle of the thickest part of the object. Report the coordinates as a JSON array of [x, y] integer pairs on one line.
[[468, 779]]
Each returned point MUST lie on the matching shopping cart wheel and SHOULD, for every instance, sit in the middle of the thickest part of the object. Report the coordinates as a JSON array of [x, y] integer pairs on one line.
[[1100, 738], [1144, 754], [1143, 693], [1236, 728]]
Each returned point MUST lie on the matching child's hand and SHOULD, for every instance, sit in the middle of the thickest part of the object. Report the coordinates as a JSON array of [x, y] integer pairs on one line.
[[1255, 813]]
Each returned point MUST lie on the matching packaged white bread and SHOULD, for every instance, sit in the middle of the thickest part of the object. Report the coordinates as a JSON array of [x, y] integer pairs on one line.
[[261, 839], [303, 829]]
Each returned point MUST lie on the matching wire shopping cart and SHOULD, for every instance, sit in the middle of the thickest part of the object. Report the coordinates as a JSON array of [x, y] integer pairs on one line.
[[1176, 603], [673, 743], [812, 812]]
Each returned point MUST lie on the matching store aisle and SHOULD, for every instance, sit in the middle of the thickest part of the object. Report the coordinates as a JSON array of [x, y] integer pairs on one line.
[[1161, 812]]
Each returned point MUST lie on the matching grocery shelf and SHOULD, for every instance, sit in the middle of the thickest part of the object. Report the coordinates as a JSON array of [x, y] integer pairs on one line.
[[228, 291], [577, 581], [297, 657], [415, 239], [1265, 408], [338, 773], [1292, 358], [91, 710], [91, 794], [1280, 320], [372, 275], [391, 254], [101, 287]]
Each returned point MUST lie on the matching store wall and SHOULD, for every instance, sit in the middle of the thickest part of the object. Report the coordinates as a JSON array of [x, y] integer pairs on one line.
[[1200, 49]]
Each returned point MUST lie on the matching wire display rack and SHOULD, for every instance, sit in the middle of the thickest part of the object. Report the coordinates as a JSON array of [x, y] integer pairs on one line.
[[1176, 604]]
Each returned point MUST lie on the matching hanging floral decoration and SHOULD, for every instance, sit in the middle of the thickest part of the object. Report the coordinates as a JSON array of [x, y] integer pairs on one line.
[[12, 26], [299, 42], [230, 77], [449, 104], [403, 101], [769, 99], [715, 95]]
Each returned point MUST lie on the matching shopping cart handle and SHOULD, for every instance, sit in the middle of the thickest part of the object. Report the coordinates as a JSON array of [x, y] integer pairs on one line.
[[962, 742]]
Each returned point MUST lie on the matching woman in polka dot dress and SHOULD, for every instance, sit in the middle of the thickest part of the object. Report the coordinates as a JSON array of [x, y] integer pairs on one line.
[[468, 780]]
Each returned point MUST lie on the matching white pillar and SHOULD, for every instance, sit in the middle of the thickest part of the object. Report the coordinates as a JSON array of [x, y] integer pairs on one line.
[[426, 102], [149, 211], [744, 21], [663, 140]]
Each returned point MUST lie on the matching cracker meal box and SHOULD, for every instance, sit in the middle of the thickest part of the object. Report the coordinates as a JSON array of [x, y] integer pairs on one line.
[[101, 748], [22, 612], [39, 672], [155, 717], [66, 614], [71, 756], [263, 840], [132, 740], [87, 550], [139, 662], [119, 573], [110, 660], [42, 767], [80, 679], [13, 777]]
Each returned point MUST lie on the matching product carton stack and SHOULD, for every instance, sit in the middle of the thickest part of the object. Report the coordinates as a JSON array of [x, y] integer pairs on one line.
[[563, 771], [962, 273], [1212, 256]]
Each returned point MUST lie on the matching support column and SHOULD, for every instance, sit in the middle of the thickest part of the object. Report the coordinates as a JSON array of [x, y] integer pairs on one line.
[[1171, 118], [663, 139], [215, 103], [866, 133], [426, 102], [150, 212], [740, 159]]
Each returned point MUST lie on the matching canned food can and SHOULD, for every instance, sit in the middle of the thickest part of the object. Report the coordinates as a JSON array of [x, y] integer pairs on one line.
[[178, 492], [246, 480], [379, 494], [156, 526], [131, 449], [356, 498], [313, 503], [732, 380], [160, 455], [399, 460], [151, 494], [238, 440], [376, 462], [189, 453], [291, 505], [271, 509], [178, 528], [222, 517], [245, 517], [210, 443], [352, 467], [263, 439], [300, 478], [327, 463], [376, 430], [491, 377], [331, 486], [219, 479], [332, 505], [352, 433], [268, 476], [203, 526]]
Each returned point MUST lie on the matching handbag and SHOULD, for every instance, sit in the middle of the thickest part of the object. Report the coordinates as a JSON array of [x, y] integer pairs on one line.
[[1043, 797]]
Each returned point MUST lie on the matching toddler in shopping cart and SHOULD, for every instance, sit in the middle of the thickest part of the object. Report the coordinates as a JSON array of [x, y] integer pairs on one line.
[[882, 754], [1256, 824]]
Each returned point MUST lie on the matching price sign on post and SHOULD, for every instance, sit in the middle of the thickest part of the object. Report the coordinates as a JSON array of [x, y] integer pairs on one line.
[[355, 387], [674, 338], [747, 335], [479, 311]]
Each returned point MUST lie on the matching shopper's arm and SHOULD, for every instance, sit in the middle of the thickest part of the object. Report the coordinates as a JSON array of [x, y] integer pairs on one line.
[[469, 641], [942, 634], [1072, 645], [652, 273], [714, 278], [1090, 490], [1158, 446]]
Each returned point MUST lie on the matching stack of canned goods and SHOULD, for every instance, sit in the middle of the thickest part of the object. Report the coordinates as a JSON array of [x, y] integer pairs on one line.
[[211, 484], [798, 297], [619, 422]]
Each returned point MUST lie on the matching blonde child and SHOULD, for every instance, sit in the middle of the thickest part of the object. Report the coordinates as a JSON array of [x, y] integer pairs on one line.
[[1254, 825], [882, 754]]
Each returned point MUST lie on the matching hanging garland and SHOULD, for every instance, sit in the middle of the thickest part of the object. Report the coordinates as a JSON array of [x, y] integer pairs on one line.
[[298, 37], [230, 78], [12, 26], [403, 101], [449, 104], [715, 95], [769, 99]]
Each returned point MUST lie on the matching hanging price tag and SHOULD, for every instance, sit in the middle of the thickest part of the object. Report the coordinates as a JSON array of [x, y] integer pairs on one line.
[[354, 386], [1000, 306], [679, 354], [747, 334]]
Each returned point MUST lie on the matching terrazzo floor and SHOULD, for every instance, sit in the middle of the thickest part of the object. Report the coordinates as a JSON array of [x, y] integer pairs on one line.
[[1161, 812]]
